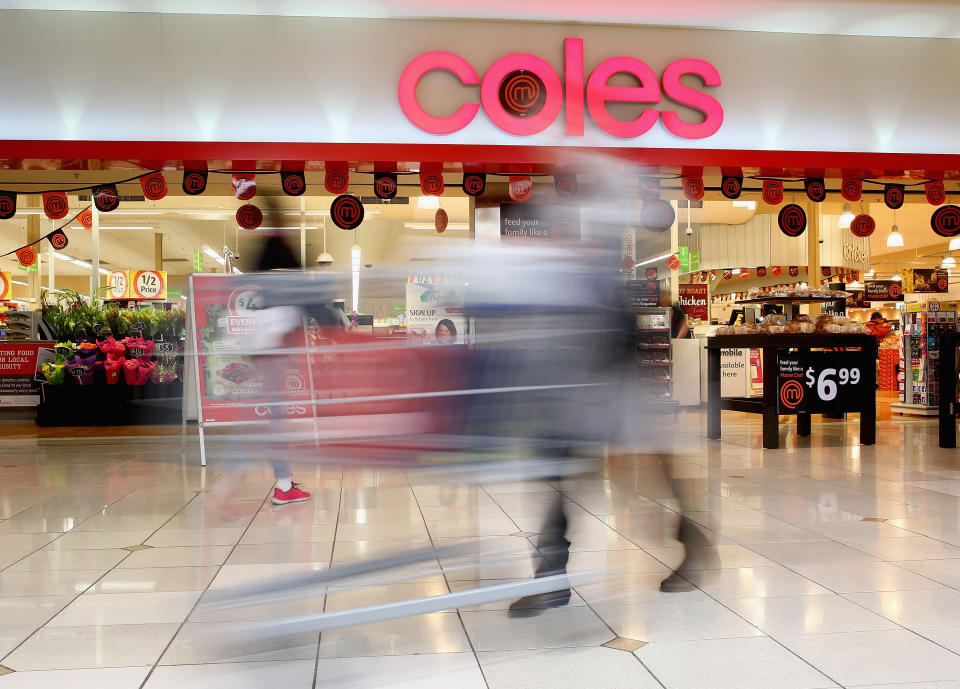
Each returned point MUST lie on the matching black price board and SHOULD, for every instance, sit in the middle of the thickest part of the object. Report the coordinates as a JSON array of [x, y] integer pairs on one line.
[[835, 308], [644, 293], [822, 383]]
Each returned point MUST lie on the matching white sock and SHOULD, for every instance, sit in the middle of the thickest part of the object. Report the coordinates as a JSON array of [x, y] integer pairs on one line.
[[284, 484]]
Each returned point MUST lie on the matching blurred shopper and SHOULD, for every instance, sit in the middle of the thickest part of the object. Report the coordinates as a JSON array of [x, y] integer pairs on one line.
[[276, 323], [878, 326]]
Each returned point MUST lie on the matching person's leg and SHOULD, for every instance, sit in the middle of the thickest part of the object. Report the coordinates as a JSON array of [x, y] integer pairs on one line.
[[698, 550], [553, 553]]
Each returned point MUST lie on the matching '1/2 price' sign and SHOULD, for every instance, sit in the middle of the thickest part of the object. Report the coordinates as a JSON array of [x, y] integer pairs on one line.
[[822, 382]]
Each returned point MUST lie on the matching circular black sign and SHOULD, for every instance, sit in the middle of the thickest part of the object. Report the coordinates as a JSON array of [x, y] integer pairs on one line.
[[792, 220], [522, 93], [8, 204], [346, 212], [385, 185], [657, 216], [945, 221]]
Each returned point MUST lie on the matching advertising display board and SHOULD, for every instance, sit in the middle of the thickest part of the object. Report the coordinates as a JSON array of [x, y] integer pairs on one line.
[[19, 384], [694, 301], [821, 382], [230, 377], [644, 293], [883, 290], [435, 311], [534, 221], [926, 281]]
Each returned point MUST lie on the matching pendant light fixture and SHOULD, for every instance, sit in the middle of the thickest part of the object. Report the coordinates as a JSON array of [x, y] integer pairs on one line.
[[846, 218], [954, 244], [324, 259], [948, 262], [894, 239]]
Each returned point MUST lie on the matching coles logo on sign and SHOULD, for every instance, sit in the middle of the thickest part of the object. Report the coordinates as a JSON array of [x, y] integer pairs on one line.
[[523, 95]]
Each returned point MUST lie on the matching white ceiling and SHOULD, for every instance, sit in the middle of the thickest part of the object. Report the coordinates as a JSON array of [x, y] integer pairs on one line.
[[908, 18]]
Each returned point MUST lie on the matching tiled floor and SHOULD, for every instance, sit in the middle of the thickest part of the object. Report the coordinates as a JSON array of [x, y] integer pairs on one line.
[[834, 565]]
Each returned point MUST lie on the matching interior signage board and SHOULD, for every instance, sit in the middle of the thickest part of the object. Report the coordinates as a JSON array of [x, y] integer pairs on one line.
[[524, 220], [821, 382], [694, 301], [883, 290], [644, 293]]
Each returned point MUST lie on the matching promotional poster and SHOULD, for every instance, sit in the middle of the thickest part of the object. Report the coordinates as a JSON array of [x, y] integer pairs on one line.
[[435, 313]]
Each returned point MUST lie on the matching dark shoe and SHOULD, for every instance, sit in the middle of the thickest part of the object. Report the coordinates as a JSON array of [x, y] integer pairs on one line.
[[528, 606], [675, 583]]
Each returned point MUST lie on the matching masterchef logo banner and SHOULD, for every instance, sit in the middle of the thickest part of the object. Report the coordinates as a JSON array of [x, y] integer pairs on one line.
[[522, 94]]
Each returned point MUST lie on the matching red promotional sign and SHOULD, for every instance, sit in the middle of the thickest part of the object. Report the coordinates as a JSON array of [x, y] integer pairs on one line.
[[18, 372], [231, 379], [693, 301], [673, 263]]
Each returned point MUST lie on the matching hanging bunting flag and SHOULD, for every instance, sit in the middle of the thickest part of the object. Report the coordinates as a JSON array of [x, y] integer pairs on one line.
[[85, 218], [776, 270], [935, 192], [57, 239], [744, 273], [565, 184], [385, 185], [431, 179], [440, 220], [244, 186], [474, 183], [761, 272], [649, 189], [772, 192], [8, 204], [825, 271], [893, 195], [945, 221], [851, 189], [693, 188], [520, 188], [816, 190], [346, 211], [27, 256], [703, 276], [657, 216], [731, 187], [863, 225], [293, 182], [249, 217], [336, 178], [106, 198], [794, 271], [55, 204], [154, 186], [194, 182], [727, 274], [792, 220]]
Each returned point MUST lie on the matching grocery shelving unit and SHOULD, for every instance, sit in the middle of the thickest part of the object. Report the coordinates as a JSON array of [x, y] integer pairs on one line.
[[920, 349], [654, 354]]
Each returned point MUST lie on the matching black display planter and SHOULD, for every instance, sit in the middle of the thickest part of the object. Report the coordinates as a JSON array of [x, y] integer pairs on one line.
[[110, 405]]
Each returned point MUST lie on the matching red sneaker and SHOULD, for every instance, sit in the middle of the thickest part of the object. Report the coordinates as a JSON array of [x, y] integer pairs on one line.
[[293, 495]]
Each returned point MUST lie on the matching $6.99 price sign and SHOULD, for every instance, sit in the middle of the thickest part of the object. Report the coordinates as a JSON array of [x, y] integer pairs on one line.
[[821, 382]]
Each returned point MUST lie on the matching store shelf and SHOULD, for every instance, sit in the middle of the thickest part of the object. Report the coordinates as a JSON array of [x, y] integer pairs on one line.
[[788, 340], [789, 300], [916, 409]]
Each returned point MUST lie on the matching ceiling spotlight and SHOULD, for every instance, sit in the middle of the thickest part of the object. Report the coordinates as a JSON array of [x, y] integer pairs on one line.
[[949, 262], [954, 244], [846, 218], [894, 238]]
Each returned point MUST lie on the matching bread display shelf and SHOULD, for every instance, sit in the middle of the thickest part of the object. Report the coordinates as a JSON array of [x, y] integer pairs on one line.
[[789, 300]]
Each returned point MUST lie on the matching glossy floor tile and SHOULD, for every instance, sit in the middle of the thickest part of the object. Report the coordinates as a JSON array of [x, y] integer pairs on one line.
[[109, 550]]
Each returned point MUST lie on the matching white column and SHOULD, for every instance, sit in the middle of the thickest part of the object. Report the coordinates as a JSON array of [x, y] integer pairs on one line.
[[95, 253]]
